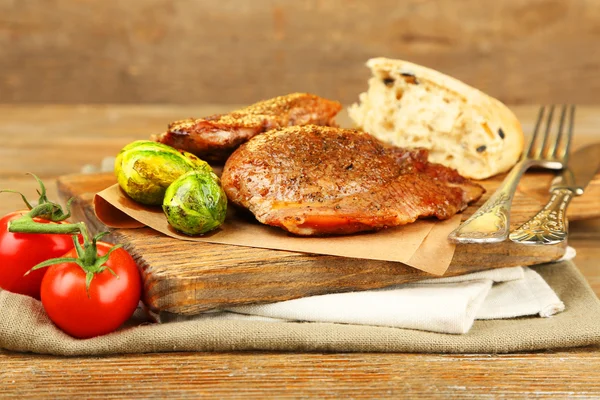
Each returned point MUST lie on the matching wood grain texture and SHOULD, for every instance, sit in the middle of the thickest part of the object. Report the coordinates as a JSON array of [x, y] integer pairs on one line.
[[189, 277], [53, 140], [563, 374], [223, 51]]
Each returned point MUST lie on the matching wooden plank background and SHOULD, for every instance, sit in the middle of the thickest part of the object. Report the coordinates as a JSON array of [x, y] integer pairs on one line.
[[228, 51]]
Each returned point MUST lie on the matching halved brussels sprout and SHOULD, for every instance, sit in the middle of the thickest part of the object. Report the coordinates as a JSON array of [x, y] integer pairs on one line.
[[195, 203], [145, 169]]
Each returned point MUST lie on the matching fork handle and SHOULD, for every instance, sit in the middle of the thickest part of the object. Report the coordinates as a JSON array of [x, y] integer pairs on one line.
[[490, 223], [549, 225]]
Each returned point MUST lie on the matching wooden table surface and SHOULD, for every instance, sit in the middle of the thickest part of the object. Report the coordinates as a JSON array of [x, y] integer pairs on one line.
[[55, 140]]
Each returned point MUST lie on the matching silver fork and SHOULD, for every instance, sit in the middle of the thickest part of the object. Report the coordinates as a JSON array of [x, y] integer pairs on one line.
[[491, 223], [549, 225]]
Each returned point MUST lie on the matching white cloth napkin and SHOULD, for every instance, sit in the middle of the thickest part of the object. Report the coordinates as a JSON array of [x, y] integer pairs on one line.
[[446, 305]]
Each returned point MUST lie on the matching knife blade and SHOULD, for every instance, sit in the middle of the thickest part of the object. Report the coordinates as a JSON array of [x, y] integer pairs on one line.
[[549, 225], [581, 168]]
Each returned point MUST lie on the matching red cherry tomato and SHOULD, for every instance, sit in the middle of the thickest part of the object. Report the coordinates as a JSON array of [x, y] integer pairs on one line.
[[19, 252], [112, 300]]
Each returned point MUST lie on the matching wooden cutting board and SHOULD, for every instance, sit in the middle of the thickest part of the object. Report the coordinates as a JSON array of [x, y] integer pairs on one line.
[[190, 277]]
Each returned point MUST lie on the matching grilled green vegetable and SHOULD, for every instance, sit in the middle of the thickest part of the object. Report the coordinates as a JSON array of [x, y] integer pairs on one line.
[[145, 169], [195, 203]]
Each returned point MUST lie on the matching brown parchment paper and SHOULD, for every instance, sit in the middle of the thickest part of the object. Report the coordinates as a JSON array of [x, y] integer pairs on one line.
[[422, 245]]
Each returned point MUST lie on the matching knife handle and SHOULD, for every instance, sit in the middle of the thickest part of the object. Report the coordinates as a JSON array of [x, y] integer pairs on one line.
[[549, 226]]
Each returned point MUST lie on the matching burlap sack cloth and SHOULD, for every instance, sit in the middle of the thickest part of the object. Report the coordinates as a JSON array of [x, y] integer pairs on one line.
[[25, 327]]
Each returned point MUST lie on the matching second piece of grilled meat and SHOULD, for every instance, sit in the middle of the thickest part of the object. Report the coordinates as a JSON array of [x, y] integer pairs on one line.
[[315, 180], [214, 138]]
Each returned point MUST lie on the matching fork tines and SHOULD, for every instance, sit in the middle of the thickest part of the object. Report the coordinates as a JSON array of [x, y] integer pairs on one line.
[[555, 151]]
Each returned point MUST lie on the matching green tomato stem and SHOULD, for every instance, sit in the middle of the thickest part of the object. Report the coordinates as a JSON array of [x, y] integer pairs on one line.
[[26, 224], [52, 261], [45, 209], [87, 253], [29, 206]]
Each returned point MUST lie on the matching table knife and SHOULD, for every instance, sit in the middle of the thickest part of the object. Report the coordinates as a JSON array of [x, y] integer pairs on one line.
[[549, 226]]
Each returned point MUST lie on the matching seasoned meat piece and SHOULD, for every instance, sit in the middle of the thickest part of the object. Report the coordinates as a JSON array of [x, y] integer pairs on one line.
[[214, 138], [315, 180]]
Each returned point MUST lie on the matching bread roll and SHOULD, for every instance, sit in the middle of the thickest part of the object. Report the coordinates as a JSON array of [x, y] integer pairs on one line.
[[414, 106]]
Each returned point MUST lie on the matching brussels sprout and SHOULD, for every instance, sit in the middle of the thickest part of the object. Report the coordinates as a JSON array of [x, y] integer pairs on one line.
[[145, 169], [195, 203]]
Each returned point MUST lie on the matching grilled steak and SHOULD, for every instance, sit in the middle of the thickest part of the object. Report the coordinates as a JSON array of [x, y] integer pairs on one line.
[[315, 180], [214, 138]]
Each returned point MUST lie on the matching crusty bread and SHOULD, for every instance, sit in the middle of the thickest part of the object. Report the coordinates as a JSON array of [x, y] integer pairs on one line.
[[413, 106]]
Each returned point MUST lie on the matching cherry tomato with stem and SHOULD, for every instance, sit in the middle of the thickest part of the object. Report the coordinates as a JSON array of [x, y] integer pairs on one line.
[[87, 299], [19, 252]]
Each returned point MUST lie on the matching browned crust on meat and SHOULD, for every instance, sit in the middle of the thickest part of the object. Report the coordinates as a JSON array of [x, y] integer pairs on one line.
[[315, 180], [215, 137]]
